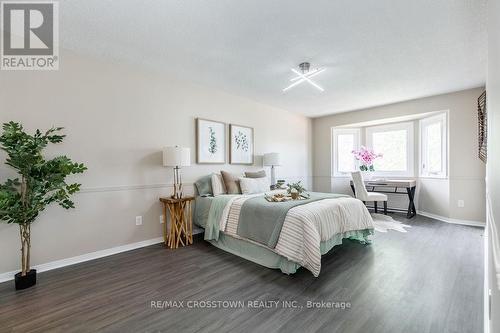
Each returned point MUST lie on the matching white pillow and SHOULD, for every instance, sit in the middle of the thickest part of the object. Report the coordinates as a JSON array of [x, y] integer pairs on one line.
[[254, 185], [218, 187]]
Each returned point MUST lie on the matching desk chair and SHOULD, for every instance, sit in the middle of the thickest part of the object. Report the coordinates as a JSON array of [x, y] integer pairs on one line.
[[363, 195]]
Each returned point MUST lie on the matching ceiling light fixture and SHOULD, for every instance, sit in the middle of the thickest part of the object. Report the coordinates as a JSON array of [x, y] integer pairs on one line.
[[305, 75]]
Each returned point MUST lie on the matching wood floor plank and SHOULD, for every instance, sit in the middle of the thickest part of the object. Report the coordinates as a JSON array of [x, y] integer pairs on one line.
[[429, 279]]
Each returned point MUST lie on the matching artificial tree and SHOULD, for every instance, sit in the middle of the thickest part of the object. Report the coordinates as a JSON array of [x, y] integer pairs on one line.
[[40, 183]]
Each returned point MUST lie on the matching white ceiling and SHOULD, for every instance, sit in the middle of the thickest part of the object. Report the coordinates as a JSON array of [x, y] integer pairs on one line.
[[375, 51]]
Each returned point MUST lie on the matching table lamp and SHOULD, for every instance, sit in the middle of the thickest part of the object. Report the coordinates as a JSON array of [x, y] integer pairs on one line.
[[177, 157], [272, 160]]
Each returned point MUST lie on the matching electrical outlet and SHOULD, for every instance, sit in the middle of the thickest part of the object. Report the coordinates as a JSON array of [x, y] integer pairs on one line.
[[461, 203], [162, 219], [138, 220]]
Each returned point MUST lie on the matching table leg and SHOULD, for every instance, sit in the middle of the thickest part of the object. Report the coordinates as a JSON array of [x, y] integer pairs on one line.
[[413, 202], [171, 221], [171, 236], [165, 235], [185, 221], [179, 225], [190, 221], [412, 211]]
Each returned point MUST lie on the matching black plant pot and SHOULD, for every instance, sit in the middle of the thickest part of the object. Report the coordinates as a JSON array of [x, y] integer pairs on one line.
[[23, 282]]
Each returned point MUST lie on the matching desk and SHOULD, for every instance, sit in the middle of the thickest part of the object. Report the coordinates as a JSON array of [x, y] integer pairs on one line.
[[408, 184]]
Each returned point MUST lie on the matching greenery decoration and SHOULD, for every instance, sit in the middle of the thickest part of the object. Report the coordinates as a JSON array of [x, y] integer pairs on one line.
[[212, 148], [363, 167], [241, 141], [295, 187]]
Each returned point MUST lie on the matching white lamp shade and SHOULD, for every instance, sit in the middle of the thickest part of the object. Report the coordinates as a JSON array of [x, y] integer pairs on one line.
[[271, 159], [176, 156]]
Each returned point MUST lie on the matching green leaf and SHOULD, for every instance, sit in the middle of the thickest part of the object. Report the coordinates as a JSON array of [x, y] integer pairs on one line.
[[41, 182]]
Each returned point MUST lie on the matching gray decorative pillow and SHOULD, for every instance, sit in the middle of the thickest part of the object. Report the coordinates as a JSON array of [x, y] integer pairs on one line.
[[258, 174], [204, 186], [218, 187], [231, 182]]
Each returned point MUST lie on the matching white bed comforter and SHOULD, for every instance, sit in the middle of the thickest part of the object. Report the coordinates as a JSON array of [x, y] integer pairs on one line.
[[306, 226]]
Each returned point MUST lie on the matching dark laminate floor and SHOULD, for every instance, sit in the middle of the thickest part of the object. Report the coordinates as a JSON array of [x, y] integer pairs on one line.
[[427, 280]]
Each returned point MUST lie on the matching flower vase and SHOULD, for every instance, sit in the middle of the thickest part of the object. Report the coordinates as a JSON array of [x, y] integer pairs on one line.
[[367, 175]]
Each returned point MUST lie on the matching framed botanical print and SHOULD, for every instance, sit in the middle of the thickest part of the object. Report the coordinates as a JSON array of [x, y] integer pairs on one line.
[[210, 141], [240, 144]]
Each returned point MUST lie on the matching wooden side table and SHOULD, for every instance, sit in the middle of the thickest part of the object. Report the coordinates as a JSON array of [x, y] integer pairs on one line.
[[181, 221]]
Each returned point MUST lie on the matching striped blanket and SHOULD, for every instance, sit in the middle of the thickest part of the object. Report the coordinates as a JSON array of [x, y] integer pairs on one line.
[[304, 228], [262, 220]]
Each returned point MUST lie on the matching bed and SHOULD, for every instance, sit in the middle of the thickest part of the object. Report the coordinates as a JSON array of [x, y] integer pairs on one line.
[[282, 236]]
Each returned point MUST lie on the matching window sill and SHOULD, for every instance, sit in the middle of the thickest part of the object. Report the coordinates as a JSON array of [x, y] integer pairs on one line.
[[381, 176], [434, 177]]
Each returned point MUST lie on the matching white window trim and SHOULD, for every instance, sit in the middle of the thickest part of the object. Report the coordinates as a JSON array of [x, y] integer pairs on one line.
[[357, 141], [442, 118], [410, 149]]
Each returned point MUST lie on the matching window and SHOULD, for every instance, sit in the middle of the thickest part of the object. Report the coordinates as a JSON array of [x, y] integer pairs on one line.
[[395, 142], [433, 146], [344, 141]]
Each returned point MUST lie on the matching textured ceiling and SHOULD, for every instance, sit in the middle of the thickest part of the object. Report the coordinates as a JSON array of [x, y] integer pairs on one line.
[[375, 51]]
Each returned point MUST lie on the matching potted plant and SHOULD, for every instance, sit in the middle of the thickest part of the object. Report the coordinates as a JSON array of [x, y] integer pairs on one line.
[[366, 157], [40, 183], [295, 190]]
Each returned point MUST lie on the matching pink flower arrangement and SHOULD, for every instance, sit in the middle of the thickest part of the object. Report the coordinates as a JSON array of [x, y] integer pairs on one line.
[[366, 157]]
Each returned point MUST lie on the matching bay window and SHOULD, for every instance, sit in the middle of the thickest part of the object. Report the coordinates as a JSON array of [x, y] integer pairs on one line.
[[433, 146], [344, 141], [396, 143], [400, 148]]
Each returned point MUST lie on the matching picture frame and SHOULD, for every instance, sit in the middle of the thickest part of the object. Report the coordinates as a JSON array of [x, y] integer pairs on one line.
[[210, 141], [482, 130], [241, 144]]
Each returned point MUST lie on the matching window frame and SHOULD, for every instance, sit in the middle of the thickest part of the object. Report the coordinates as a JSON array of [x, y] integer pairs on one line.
[[357, 143], [442, 119], [410, 147]]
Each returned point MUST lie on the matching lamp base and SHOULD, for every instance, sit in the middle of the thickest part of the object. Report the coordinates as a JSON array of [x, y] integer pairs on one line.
[[177, 191], [177, 184], [273, 176]]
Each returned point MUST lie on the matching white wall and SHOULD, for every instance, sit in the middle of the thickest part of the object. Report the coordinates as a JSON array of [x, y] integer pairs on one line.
[[117, 119], [435, 196], [493, 173]]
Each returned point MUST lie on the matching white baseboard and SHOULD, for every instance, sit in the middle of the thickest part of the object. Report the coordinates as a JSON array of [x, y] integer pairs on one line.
[[451, 220], [486, 291], [84, 257]]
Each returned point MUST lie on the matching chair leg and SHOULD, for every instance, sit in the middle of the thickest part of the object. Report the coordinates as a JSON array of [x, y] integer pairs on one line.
[[385, 207], [376, 208]]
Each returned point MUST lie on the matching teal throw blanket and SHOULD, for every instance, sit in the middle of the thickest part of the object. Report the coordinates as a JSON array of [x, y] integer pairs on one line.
[[261, 220]]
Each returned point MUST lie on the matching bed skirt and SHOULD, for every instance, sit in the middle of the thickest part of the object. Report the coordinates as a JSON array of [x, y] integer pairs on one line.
[[267, 258]]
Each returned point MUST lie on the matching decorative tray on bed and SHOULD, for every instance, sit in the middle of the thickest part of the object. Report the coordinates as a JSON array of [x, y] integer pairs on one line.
[[281, 197]]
